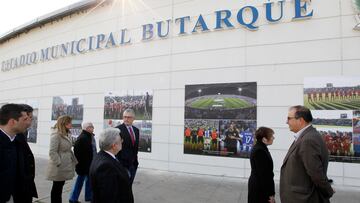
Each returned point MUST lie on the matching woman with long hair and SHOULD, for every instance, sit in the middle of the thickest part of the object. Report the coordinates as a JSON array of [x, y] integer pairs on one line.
[[261, 185], [61, 166]]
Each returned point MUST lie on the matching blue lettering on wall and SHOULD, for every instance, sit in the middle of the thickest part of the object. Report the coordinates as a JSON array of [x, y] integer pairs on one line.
[[246, 17], [225, 19], [299, 9]]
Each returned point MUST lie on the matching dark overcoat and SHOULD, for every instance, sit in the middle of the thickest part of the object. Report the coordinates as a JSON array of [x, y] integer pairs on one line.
[[261, 182]]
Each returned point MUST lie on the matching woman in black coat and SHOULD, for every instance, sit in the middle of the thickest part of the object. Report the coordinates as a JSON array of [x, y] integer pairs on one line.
[[261, 185]]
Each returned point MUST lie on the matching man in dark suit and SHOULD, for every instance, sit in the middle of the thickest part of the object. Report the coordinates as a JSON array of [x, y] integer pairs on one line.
[[29, 187], [84, 150], [14, 120], [303, 176], [109, 179], [128, 156]]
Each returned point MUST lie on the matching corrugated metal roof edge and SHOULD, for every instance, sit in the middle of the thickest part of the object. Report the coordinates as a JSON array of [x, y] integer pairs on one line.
[[60, 13]]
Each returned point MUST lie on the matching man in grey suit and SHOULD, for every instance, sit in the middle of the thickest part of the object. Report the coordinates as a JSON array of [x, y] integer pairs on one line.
[[303, 176]]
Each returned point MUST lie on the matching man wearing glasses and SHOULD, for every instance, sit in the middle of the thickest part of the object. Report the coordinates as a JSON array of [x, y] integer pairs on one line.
[[303, 176], [130, 134]]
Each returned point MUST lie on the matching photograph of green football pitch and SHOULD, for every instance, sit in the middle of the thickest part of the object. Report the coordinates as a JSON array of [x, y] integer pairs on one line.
[[221, 101], [332, 93], [220, 119]]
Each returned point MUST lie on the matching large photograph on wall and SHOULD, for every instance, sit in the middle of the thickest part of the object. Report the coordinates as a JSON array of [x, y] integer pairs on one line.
[[220, 119], [335, 104], [72, 106], [141, 101]]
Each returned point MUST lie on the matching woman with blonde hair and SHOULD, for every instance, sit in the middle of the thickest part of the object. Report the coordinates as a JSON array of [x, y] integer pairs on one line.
[[62, 161]]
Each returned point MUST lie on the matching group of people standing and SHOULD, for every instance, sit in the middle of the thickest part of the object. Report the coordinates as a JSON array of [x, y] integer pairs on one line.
[[108, 174], [303, 174]]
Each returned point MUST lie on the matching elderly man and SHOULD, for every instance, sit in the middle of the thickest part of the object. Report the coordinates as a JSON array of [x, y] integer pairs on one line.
[[303, 173], [14, 120], [109, 179], [84, 150], [128, 156]]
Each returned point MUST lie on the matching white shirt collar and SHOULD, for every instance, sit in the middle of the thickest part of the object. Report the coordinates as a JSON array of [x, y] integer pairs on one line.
[[297, 135], [11, 138], [111, 154]]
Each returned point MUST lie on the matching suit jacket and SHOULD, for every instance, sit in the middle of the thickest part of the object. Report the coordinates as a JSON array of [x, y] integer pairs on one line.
[[128, 154], [303, 176], [29, 188], [83, 152], [261, 182], [109, 180], [25, 172]]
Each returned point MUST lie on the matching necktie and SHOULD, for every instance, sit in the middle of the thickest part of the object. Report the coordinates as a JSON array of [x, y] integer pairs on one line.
[[132, 136]]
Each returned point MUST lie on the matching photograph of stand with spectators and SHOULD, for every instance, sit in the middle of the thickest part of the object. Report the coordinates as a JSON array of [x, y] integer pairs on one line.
[[332, 93], [220, 119], [141, 102], [72, 106], [356, 133], [336, 128]]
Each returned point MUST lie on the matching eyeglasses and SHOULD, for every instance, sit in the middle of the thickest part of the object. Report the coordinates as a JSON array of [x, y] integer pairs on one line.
[[128, 117], [289, 118]]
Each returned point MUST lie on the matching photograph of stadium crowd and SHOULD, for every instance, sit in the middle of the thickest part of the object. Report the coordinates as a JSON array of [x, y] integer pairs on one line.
[[141, 102], [336, 128], [72, 106], [356, 133], [67, 105], [330, 93], [220, 119]]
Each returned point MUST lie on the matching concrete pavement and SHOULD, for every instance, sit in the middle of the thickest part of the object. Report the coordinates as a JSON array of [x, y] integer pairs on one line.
[[154, 186]]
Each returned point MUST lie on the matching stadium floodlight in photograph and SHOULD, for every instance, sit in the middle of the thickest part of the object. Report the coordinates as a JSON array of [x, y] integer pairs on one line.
[[141, 101], [240, 89], [222, 120]]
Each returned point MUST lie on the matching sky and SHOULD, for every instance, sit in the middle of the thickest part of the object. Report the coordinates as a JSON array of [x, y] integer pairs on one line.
[[14, 13]]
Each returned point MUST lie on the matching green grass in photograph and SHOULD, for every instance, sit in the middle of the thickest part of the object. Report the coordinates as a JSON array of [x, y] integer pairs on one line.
[[346, 104], [227, 103]]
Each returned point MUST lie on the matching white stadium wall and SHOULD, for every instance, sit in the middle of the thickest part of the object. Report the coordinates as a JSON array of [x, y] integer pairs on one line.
[[277, 56]]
